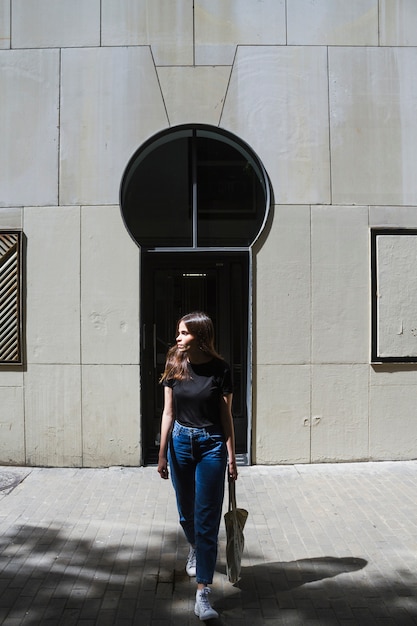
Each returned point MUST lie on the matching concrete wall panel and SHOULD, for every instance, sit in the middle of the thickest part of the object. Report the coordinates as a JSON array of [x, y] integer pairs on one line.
[[282, 410], [340, 285], [11, 217], [393, 398], [339, 413], [221, 26], [278, 102], [111, 103], [109, 288], [332, 22], [393, 216], [165, 26], [398, 22], [282, 328], [12, 431], [111, 415], [11, 376], [55, 23], [4, 24], [373, 129], [53, 284], [29, 88], [397, 295], [53, 415], [194, 93]]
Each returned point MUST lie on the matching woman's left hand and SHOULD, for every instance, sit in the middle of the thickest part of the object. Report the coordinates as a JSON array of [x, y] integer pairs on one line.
[[232, 468], [163, 468]]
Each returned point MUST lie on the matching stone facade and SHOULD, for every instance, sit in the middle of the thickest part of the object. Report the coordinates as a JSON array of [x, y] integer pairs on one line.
[[325, 93]]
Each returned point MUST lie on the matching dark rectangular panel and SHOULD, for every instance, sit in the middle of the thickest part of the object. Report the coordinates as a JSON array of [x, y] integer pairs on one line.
[[10, 298]]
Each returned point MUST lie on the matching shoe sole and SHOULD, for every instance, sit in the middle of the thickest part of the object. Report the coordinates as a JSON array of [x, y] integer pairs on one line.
[[203, 619]]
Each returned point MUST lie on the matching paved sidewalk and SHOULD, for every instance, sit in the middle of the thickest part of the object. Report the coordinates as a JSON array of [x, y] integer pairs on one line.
[[325, 544]]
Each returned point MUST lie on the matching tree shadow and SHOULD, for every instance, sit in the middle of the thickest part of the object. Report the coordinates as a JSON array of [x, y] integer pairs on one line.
[[48, 577]]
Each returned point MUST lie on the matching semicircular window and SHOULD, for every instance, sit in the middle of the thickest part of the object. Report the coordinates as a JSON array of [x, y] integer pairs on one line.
[[196, 187]]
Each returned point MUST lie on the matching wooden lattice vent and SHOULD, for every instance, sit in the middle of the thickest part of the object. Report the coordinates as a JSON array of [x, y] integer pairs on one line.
[[10, 297]]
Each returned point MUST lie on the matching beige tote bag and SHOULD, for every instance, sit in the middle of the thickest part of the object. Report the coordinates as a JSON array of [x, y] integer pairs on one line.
[[235, 520]]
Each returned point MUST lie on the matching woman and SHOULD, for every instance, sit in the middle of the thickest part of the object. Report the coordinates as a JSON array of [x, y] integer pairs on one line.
[[197, 439]]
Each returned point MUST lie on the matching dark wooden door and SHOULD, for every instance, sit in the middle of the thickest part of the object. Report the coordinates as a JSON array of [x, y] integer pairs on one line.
[[176, 283]]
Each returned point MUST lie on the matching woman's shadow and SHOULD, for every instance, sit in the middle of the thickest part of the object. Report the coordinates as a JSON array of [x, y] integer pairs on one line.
[[285, 576], [273, 580]]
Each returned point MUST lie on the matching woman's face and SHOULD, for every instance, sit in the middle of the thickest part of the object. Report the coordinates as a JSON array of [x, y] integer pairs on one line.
[[186, 342]]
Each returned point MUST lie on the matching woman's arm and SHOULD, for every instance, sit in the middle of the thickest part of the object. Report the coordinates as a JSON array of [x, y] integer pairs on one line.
[[166, 427], [229, 433]]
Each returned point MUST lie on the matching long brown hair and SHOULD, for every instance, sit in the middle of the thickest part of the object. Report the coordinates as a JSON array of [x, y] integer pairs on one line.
[[200, 325]]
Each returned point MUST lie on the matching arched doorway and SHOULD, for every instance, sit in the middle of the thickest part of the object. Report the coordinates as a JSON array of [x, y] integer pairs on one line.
[[195, 198]]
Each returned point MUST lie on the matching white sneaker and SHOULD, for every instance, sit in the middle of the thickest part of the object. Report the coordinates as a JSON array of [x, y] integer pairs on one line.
[[191, 565], [202, 608]]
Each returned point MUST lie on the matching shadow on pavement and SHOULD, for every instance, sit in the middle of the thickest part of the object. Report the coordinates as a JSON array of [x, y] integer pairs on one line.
[[49, 577], [287, 576], [315, 591]]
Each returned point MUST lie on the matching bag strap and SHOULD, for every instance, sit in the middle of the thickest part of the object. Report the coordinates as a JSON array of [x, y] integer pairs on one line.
[[232, 495]]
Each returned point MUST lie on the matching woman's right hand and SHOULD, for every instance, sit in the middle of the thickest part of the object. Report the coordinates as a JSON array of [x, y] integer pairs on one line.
[[166, 427], [163, 468]]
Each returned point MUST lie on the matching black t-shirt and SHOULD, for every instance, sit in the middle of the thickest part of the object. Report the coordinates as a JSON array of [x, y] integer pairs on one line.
[[197, 399]]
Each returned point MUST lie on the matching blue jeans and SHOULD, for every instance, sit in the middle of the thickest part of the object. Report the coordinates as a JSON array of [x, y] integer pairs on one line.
[[198, 459]]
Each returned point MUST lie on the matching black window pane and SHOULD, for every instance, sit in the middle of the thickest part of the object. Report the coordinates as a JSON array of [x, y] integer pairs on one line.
[[157, 195], [231, 199]]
